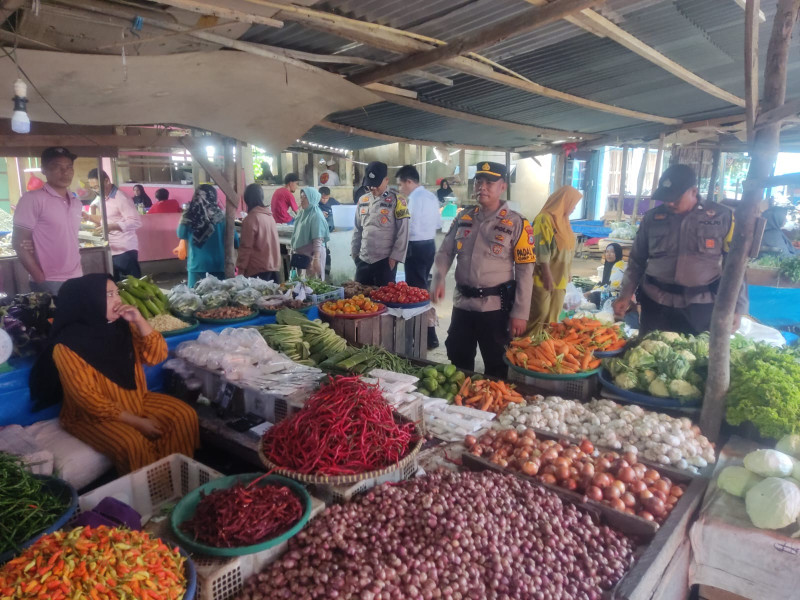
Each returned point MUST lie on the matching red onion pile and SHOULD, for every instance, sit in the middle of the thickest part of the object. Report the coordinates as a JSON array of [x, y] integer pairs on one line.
[[617, 480], [450, 536]]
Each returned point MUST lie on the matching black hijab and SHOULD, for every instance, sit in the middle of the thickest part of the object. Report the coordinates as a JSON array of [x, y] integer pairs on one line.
[[608, 266], [203, 214], [80, 324], [143, 198], [444, 192]]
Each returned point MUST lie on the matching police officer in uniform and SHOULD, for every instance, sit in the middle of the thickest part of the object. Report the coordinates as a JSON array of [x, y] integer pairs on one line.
[[380, 238], [494, 274], [676, 259]]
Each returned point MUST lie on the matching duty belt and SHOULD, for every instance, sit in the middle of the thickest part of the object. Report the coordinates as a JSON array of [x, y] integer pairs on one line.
[[674, 288], [473, 292]]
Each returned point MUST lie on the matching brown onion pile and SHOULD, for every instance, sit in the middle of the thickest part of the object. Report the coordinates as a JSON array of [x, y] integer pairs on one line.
[[617, 480], [450, 536]]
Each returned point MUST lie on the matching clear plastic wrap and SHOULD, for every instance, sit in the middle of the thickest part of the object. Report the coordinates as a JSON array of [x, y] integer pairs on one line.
[[247, 297], [265, 287], [207, 284], [216, 299], [185, 302]]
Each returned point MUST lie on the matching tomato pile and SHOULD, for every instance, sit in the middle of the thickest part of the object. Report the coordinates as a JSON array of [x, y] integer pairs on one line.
[[351, 306], [400, 293]]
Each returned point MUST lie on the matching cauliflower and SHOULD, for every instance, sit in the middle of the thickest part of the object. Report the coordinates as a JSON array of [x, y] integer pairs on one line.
[[658, 387], [679, 388], [687, 355], [639, 358], [626, 380], [653, 345], [667, 336], [615, 366]]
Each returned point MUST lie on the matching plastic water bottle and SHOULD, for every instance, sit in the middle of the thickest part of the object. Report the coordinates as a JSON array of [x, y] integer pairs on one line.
[[293, 274]]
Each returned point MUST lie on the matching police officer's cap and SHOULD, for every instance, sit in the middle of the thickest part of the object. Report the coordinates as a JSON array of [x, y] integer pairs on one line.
[[674, 182], [490, 170], [375, 174]]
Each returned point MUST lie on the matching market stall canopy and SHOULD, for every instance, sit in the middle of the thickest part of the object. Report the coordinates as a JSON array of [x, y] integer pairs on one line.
[[249, 98]]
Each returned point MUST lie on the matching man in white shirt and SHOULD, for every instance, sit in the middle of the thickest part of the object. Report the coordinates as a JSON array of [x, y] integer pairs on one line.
[[329, 177], [425, 220], [123, 221]]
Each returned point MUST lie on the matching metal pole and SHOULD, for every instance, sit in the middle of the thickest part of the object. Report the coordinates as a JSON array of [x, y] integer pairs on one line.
[[103, 215], [508, 176]]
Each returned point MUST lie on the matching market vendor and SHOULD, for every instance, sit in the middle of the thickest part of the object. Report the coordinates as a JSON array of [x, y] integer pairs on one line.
[[380, 237], [555, 246], [611, 278], [94, 363], [774, 241], [123, 220], [494, 274], [676, 259]]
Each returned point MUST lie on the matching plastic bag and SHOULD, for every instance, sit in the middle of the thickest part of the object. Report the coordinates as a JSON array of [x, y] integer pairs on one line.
[[622, 230], [247, 297], [265, 287], [573, 297], [208, 284], [216, 299], [186, 302], [238, 283]]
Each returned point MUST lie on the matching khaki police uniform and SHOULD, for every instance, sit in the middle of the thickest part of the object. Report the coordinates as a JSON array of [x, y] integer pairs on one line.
[[676, 263], [492, 249], [381, 233]]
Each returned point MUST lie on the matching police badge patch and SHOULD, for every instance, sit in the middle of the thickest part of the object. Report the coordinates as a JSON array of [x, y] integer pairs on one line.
[[497, 248]]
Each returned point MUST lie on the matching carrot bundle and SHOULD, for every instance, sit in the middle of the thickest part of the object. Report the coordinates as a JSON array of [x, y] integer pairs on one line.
[[483, 394]]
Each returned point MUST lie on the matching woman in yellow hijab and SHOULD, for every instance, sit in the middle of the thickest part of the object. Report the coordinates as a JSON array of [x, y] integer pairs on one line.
[[555, 245]]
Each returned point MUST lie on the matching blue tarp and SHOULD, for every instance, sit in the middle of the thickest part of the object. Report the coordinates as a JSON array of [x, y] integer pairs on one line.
[[592, 229], [776, 307], [15, 400]]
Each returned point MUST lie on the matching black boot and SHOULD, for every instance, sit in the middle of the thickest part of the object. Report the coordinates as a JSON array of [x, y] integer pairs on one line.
[[433, 341]]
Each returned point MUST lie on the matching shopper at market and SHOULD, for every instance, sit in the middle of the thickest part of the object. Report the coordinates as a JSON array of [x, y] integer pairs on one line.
[[613, 272], [494, 274], [380, 238], [46, 225], [164, 204], [94, 363], [444, 191], [140, 198], [425, 221], [326, 204], [259, 248], [329, 176], [123, 220], [310, 235], [203, 227], [676, 259], [283, 200], [555, 245]]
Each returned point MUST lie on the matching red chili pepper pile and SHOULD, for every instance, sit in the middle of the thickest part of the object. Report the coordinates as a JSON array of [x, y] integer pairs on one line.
[[94, 563], [345, 428], [244, 515]]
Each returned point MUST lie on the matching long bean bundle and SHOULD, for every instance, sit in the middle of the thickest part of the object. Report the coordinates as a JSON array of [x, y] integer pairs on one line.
[[345, 428]]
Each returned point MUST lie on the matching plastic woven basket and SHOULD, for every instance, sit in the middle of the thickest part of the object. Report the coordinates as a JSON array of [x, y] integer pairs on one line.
[[557, 376], [185, 510], [249, 317], [192, 324], [344, 479], [645, 399]]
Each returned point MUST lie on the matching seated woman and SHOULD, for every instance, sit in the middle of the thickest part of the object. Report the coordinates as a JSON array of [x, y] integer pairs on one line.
[[613, 272], [98, 346], [310, 235]]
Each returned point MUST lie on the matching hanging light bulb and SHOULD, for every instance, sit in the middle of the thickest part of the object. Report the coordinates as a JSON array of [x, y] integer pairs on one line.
[[20, 123]]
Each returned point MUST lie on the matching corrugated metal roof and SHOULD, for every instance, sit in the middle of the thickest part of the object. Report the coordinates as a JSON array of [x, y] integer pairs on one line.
[[705, 36]]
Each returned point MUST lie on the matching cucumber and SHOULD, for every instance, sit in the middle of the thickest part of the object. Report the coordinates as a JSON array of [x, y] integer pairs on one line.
[[152, 307], [135, 291], [127, 298]]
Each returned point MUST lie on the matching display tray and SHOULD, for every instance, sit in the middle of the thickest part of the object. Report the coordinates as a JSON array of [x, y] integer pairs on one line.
[[402, 305], [645, 399], [611, 354], [271, 312], [539, 375], [185, 510], [62, 489], [192, 325], [252, 315], [380, 311]]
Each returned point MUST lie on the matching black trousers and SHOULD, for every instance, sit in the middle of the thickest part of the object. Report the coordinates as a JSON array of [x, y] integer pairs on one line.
[[489, 330], [269, 276], [419, 260], [377, 273], [694, 319], [126, 264]]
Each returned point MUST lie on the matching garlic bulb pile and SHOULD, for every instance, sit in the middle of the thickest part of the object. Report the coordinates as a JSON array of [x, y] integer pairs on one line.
[[654, 436]]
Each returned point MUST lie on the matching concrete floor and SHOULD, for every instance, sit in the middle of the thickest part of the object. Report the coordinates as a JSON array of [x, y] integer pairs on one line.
[[343, 268]]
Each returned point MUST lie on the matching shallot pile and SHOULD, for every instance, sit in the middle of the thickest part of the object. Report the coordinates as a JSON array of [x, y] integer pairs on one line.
[[619, 481], [656, 436], [449, 535]]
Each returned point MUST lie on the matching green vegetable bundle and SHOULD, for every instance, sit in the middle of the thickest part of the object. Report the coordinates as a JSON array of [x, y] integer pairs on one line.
[[26, 506], [144, 295], [305, 342], [765, 390]]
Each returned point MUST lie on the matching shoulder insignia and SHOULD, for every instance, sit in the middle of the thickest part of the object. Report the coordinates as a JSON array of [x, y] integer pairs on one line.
[[364, 210], [401, 210], [402, 200], [365, 198], [507, 222], [503, 212], [466, 217], [659, 216], [524, 248]]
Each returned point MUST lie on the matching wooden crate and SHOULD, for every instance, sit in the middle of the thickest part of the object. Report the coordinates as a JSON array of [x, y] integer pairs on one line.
[[406, 337], [708, 592]]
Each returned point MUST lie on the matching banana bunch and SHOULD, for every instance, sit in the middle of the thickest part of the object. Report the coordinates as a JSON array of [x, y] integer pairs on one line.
[[144, 295]]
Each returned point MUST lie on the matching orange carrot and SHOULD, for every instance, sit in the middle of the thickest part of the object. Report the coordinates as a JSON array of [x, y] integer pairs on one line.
[[586, 360]]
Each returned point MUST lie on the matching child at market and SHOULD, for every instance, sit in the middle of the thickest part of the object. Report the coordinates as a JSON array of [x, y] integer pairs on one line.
[[94, 362]]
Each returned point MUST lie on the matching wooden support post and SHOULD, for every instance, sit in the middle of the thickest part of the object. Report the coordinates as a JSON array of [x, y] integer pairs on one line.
[[463, 169], [558, 180], [623, 176], [422, 167], [765, 145], [231, 206], [712, 180], [104, 213], [657, 170], [508, 176], [751, 11], [640, 185]]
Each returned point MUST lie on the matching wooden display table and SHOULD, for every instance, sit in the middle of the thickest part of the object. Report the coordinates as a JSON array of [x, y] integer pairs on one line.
[[406, 337]]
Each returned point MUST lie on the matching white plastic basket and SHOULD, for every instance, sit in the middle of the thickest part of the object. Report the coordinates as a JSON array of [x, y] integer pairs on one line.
[[153, 487], [337, 294]]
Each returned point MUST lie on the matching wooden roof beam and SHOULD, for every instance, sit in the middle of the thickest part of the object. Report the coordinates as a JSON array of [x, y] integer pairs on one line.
[[516, 25], [204, 7], [597, 24]]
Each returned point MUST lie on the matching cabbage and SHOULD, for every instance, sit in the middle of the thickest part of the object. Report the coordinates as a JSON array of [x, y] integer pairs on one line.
[[668, 336], [627, 380], [737, 480], [687, 355], [789, 444], [658, 387], [773, 503], [678, 388], [769, 463], [615, 366], [793, 480]]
